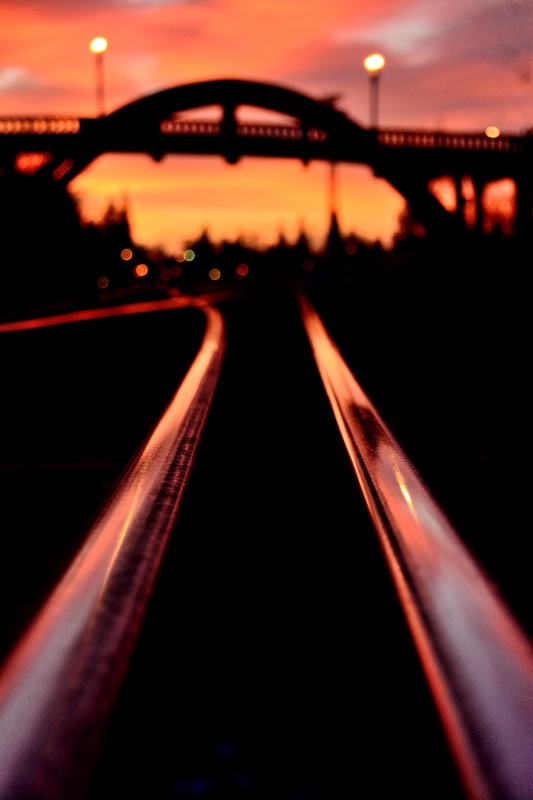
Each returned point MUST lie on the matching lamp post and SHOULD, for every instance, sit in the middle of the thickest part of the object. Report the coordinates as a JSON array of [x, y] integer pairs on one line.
[[98, 46], [373, 65]]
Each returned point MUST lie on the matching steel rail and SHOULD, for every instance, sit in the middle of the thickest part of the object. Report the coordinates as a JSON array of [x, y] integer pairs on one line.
[[59, 685], [477, 659]]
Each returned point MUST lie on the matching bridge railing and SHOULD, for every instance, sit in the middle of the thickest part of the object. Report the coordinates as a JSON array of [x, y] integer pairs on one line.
[[20, 125], [264, 130], [39, 125], [449, 141], [169, 127]]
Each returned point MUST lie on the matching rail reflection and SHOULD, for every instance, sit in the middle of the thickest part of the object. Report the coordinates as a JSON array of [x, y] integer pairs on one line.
[[477, 660], [59, 684]]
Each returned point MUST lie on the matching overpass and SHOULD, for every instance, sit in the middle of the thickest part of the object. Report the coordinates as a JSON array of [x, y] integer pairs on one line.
[[60, 147]]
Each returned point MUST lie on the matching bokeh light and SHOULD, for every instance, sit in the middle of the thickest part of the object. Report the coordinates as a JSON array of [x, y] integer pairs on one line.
[[140, 270], [241, 271], [126, 254], [30, 163], [214, 274]]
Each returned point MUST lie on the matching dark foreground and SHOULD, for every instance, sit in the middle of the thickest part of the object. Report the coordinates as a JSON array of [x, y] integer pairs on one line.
[[274, 661]]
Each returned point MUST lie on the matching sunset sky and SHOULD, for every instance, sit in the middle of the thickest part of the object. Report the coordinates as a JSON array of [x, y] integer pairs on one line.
[[450, 64]]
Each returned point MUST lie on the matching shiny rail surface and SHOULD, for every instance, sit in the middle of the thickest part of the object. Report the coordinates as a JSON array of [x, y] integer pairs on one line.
[[477, 660], [58, 686]]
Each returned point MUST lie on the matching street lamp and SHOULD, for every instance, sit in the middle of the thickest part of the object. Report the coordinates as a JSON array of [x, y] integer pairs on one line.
[[98, 46], [373, 65]]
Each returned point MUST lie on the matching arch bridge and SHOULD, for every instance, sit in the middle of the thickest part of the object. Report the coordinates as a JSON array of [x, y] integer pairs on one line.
[[61, 147]]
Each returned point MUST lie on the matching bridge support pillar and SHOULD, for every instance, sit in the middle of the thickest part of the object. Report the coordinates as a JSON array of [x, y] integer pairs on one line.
[[523, 221], [478, 184], [460, 203], [228, 133]]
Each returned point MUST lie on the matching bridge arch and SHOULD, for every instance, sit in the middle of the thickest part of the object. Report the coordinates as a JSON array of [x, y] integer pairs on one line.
[[229, 94], [407, 160], [319, 130]]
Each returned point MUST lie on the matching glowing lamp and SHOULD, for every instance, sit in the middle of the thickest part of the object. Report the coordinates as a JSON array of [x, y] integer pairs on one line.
[[98, 45], [373, 64]]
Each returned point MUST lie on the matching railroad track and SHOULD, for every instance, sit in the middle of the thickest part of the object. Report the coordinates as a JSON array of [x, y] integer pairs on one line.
[[286, 649]]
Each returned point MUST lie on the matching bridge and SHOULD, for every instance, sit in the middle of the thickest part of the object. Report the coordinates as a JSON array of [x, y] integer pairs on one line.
[[60, 147]]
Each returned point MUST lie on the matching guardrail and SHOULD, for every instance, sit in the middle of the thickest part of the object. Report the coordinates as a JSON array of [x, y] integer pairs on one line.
[[450, 141], [39, 125], [477, 660], [250, 129], [59, 685], [427, 139]]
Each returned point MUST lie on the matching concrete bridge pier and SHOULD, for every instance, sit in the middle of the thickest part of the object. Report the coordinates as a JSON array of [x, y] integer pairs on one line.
[[460, 200], [479, 212], [228, 132], [523, 222]]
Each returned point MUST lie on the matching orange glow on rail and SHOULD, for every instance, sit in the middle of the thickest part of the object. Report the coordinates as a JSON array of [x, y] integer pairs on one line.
[[176, 301], [457, 620]]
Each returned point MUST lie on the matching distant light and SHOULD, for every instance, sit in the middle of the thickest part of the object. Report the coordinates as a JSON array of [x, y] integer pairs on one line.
[[374, 63], [176, 269], [492, 132], [188, 255], [30, 163], [214, 274], [242, 270], [351, 248], [126, 254], [307, 264], [179, 256], [98, 45], [140, 270], [62, 169], [103, 283]]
